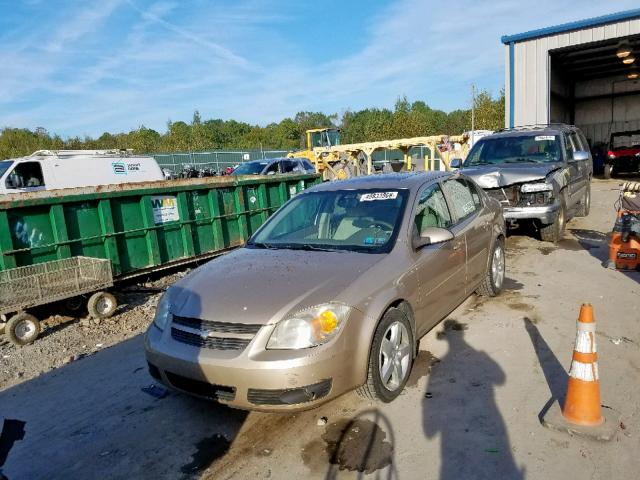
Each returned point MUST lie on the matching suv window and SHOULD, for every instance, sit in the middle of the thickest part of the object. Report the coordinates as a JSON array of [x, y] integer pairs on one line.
[[432, 210], [25, 175], [462, 199]]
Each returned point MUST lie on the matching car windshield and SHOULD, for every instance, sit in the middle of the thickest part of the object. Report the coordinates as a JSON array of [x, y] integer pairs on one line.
[[4, 166], [515, 149], [355, 220], [250, 168], [625, 140]]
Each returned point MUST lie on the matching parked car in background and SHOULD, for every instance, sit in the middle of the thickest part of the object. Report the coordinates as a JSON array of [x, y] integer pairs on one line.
[[273, 166], [55, 169], [540, 173], [623, 154], [332, 293]]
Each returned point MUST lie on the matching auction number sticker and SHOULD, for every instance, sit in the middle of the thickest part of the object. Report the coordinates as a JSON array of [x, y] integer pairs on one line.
[[542, 138], [369, 197]]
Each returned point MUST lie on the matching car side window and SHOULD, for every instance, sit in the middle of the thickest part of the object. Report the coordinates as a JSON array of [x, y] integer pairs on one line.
[[271, 169], [572, 144], [432, 210], [25, 175], [288, 166], [462, 200], [474, 194]]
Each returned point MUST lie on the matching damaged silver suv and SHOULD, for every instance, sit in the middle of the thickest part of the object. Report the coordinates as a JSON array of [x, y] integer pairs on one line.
[[538, 173]]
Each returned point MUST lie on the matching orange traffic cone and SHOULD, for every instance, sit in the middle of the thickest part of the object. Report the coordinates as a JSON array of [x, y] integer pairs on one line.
[[582, 403]]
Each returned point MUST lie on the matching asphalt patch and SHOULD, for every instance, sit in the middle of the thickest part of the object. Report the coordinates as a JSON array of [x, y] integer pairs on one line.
[[357, 445], [523, 307], [208, 450]]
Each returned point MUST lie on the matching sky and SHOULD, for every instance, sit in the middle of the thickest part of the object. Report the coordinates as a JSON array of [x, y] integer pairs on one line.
[[83, 67]]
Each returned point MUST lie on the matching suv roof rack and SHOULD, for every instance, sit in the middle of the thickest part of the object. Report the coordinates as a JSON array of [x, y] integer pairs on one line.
[[536, 126]]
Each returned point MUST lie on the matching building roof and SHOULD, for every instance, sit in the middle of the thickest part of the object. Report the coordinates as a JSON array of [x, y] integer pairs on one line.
[[571, 26]]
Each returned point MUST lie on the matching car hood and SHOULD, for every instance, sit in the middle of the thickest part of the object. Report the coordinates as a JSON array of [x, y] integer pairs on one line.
[[258, 286], [495, 176]]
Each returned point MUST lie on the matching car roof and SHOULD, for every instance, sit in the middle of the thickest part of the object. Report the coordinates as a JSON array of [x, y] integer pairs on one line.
[[551, 128], [403, 180]]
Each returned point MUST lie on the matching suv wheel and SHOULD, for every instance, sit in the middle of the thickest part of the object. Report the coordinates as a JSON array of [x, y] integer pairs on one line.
[[585, 202], [608, 170], [554, 231], [391, 358]]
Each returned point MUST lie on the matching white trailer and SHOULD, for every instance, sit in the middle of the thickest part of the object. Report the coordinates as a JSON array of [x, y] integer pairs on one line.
[[52, 170]]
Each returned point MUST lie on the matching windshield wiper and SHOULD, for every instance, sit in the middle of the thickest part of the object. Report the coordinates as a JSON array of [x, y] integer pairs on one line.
[[263, 245], [317, 248]]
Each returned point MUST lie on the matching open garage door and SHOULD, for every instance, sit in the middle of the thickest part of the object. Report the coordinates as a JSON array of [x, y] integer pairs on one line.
[[592, 87]]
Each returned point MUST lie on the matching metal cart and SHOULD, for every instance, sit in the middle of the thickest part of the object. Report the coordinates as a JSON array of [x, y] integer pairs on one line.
[[26, 287]]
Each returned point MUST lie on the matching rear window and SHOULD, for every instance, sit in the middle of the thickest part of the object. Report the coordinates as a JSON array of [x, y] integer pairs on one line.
[[625, 140]]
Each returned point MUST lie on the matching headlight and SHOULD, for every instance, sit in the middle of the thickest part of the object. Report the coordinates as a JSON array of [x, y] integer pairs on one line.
[[536, 187], [163, 315], [309, 328]]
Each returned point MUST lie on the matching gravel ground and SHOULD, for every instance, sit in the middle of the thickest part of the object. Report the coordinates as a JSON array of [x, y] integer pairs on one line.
[[66, 339]]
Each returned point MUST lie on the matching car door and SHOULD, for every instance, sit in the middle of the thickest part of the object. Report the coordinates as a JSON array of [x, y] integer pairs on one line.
[[440, 268], [576, 169], [473, 224]]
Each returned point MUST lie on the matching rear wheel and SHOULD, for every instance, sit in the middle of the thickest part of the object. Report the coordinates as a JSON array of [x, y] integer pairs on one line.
[[554, 231], [608, 170], [22, 329], [102, 305], [585, 202], [494, 279], [391, 357]]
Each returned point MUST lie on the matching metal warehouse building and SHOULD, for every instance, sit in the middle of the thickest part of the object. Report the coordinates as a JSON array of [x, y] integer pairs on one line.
[[584, 73]]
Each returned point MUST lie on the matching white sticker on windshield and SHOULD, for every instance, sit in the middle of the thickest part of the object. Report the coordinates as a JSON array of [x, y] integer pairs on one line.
[[542, 138], [368, 197]]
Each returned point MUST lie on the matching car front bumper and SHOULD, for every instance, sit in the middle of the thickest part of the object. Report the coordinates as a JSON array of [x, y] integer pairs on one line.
[[256, 378], [546, 214]]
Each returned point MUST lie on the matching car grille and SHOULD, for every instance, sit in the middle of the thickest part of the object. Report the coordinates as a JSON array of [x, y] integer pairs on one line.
[[202, 389], [507, 196], [213, 335]]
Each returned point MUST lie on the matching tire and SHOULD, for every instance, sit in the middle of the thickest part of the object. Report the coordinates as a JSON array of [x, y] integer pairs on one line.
[[102, 305], [22, 329], [554, 231], [493, 282], [376, 388], [608, 171], [585, 202]]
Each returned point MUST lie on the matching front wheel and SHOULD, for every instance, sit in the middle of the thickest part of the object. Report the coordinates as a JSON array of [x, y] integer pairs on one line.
[[554, 231], [391, 357], [494, 278]]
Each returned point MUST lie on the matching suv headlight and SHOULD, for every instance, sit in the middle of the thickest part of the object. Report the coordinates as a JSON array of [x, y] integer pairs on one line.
[[536, 187], [163, 315], [309, 328]]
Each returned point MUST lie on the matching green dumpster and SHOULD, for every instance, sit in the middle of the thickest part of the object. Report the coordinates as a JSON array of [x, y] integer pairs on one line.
[[140, 227]]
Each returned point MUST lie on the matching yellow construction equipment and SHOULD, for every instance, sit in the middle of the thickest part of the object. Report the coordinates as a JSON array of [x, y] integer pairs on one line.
[[338, 162]]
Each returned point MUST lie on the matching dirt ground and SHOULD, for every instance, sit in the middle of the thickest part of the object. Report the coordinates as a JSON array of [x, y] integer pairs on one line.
[[471, 409]]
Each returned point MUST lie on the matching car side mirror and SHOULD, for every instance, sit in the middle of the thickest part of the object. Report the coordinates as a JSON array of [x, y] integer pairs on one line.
[[431, 236], [580, 156], [455, 163]]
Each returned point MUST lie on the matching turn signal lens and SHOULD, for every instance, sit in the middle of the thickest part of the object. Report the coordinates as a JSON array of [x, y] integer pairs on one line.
[[328, 321]]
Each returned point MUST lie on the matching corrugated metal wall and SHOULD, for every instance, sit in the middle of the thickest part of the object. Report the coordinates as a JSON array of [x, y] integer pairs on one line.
[[531, 69]]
